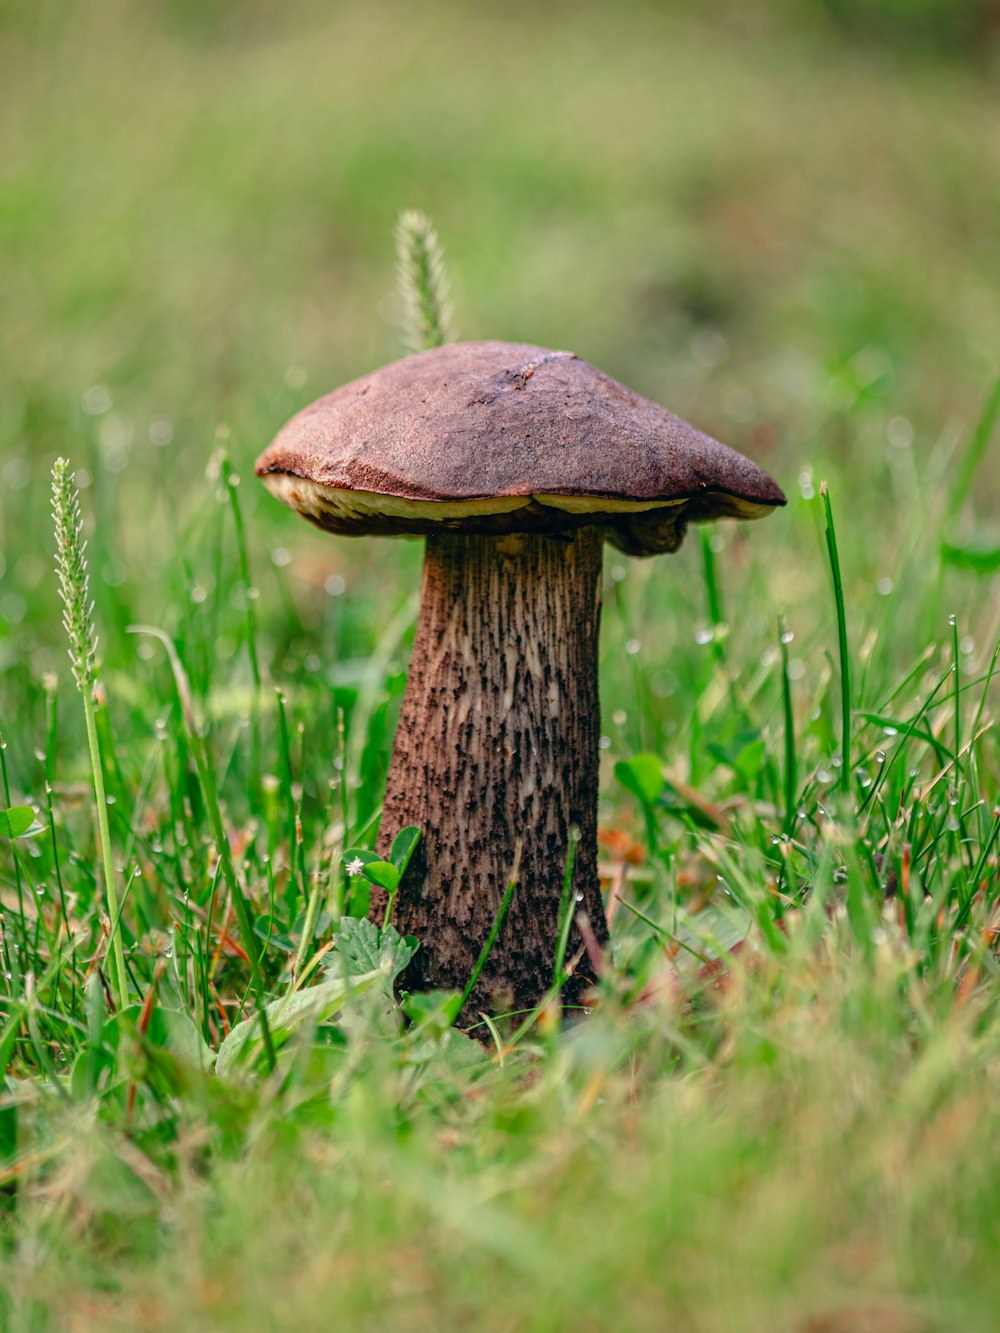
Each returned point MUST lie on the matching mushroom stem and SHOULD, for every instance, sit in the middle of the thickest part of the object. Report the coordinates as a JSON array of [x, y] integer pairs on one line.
[[497, 746]]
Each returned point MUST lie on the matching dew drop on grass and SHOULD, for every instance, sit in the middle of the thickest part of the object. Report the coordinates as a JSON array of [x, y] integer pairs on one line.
[[788, 636], [703, 637], [619, 717], [633, 646], [111, 800], [952, 619], [863, 777]]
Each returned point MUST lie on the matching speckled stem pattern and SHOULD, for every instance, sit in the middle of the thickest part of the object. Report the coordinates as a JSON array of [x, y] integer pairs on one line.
[[497, 745]]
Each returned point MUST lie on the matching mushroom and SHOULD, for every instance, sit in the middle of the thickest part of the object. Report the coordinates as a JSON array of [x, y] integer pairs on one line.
[[515, 463]]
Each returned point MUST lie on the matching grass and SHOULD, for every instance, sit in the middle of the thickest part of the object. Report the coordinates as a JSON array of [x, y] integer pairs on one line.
[[779, 1113]]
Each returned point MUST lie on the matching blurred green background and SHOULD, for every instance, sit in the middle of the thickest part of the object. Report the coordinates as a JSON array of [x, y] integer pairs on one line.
[[780, 219]]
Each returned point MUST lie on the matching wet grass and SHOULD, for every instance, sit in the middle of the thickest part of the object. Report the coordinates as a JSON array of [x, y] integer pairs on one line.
[[779, 1112]]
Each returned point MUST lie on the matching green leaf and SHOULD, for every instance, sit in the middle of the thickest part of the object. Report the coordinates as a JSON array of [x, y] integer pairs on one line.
[[167, 1029], [384, 874], [16, 821], [642, 775], [433, 1011], [450, 1051], [316, 1004], [361, 854], [749, 761], [981, 558], [85, 1075], [175, 1031], [404, 844], [364, 948]]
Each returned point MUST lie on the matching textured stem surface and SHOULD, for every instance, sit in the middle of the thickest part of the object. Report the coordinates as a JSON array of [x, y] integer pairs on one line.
[[497, 745]]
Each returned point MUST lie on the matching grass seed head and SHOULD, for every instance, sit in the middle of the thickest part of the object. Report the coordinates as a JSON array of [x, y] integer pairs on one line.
[[423, 282], [74, 580]]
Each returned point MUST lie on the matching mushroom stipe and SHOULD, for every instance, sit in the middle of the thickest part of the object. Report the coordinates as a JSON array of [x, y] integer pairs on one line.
[[516, 463]]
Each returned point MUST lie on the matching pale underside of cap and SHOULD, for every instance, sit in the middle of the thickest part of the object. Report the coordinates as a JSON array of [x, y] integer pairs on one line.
[[494, 438]]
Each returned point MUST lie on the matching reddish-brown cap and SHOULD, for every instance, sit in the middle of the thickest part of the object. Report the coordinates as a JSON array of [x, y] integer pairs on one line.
[[504, 437]]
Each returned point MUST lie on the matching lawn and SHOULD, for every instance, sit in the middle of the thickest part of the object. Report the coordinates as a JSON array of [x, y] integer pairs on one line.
[[779, 1110]]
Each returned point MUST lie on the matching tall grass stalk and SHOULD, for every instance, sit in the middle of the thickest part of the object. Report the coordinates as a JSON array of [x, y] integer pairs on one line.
[[791, 757], [495, 929], [231, 481], [78, 621], [206, 778], [845, 659], [712, 594], [968, 464], [423, 283], [566, 913]]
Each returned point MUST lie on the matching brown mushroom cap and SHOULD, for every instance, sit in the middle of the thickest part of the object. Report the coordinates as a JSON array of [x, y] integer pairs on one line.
[[498, 437]]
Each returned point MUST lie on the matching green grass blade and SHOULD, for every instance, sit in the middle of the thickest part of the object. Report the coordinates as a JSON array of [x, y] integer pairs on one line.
[[845, 661]]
